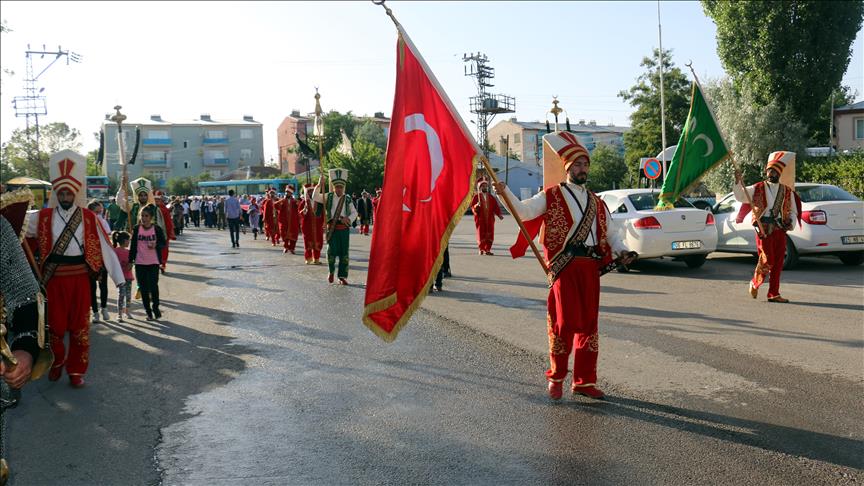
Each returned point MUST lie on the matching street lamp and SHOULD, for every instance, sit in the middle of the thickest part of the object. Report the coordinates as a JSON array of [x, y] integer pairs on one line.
[[506, 142]]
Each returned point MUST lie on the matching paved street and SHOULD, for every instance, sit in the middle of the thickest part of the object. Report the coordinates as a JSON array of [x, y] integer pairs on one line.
[[262, 372]]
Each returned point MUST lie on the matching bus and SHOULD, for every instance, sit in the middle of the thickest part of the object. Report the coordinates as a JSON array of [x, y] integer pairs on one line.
[[249, 186], [97, 188]]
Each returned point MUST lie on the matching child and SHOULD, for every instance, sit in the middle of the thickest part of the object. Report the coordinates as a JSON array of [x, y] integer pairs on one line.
[[148, 239], [120, 239], [254, 217]]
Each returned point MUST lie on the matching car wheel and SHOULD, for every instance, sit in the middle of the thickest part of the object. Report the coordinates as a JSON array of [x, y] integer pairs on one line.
[[852, 258], [695, 261], [791, 258]]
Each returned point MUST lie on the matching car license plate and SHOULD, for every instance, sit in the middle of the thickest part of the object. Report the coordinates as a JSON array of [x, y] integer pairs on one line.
[[686, 245], [852, 240]]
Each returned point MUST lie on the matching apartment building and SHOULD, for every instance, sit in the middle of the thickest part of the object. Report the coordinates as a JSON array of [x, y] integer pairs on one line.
[[170, 149], [526, 137]]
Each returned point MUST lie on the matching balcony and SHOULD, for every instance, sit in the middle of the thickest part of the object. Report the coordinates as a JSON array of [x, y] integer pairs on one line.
[[215, 141], [218, 162], [150, 142], [155, 162]]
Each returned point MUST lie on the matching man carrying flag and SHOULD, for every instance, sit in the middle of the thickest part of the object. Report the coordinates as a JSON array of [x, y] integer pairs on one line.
[[579, 245], [339, 212], [775, 207], [485, 209]]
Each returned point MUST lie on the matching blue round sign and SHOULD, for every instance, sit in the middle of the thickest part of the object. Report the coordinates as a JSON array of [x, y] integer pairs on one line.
[[652, 168]]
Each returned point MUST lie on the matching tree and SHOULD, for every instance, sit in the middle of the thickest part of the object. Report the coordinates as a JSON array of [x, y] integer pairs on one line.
[[365, 168], [608, 170], [752, 131], [181, 186], [21, 155], [371, 132], [92, 168], [793, 52], [644, 138]]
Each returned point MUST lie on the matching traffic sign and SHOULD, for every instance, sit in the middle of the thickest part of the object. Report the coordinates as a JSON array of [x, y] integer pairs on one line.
[[652, 168]]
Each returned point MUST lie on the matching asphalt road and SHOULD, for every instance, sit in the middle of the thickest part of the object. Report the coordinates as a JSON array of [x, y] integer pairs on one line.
[[262, 372]]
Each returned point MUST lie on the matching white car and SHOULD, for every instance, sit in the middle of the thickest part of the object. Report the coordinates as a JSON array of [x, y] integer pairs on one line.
[[832, 222], [685, 232]]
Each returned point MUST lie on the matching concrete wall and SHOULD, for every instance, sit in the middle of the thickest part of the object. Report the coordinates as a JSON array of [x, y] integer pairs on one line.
[[844, 123]]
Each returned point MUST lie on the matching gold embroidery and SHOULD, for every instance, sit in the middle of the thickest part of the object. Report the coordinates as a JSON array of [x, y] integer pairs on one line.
[[556, 344], [593, 343], [556, 222]]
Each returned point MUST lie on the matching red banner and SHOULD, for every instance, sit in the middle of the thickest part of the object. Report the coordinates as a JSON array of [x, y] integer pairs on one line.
[[428, 177]]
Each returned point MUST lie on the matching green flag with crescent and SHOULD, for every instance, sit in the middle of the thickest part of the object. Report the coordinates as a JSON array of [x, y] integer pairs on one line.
[[700, 149]]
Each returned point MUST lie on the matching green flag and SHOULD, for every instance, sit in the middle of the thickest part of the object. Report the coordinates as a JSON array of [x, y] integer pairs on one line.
[[699, 150]]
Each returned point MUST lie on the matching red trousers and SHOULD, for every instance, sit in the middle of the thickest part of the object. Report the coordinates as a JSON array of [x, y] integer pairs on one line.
[[69, 311], [572, 307], [311, 254], [165, 255], [772, 251], [289, 244], [364, 229]]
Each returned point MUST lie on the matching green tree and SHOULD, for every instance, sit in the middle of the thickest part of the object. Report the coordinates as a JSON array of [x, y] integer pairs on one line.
[[181, 186], [644, 138], [371, 132], [365, 168], [608, 169], [845, 170], [752, 131], [792, 52], [92, 168]]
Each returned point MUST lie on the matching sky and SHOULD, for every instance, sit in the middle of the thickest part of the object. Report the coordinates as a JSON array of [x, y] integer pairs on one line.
[[229, 59]]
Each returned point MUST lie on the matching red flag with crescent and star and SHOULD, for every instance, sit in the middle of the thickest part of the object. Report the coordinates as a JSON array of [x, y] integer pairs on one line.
[[428, 181]]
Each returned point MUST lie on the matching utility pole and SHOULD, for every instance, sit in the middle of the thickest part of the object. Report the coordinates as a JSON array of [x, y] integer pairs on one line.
[[32, 104], [662, 99], [506, 142], [831, 127], [485, 105]]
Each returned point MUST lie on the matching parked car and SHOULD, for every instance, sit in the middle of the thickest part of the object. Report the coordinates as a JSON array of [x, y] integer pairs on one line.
[[832, 223], [685, 232]]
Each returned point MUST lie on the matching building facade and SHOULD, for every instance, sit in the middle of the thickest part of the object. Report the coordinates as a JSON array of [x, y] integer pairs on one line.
[[526, 138], [170, 149], [295, 124], [849, 127]]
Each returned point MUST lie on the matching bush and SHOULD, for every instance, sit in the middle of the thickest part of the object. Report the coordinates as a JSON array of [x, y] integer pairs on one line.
[[845, 171]]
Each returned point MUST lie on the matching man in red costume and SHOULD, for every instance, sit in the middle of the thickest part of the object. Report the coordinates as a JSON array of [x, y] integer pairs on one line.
[[578, 244], [288, 214], [271, 217], [168, 225], [71, 244], [485, 209], [312, 222], [776, 206]]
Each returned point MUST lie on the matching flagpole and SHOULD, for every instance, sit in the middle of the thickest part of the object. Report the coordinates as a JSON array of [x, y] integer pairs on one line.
[[731, 153], [118, 118], [662, 99], [455, 114]]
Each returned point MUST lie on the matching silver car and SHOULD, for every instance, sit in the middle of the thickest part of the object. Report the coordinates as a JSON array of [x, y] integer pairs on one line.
[[832, 223]]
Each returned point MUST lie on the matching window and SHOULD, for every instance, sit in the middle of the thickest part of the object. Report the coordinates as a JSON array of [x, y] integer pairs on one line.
[[245, 133], [726, 206], [621, 209], [154, 155], [215, 173], [158, 174], [246, 154], [215, 134], [185, 143], [517, 138], [151, 134], [859, 129], [811, 194]]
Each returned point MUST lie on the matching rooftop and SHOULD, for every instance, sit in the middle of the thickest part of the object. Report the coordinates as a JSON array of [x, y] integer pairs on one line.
[[852, 107], [203, 119], [580, 127]]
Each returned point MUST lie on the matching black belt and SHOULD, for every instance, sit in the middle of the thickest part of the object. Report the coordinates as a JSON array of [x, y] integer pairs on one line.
[[65, 260], [580, 250]]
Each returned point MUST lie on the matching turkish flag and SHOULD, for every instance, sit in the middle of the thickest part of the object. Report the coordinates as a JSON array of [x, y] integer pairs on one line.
[[428, 177]]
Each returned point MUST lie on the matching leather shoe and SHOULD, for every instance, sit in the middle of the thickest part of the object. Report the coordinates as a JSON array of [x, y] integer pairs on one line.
[[330, 278], [754, 292], [556, 390], [55, 373], [590, 391], [778, 299], [77, 381], [343, 281]]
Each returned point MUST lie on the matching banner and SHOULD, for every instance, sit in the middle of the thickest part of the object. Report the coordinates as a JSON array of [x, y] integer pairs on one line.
[[700, 149], [428, 181]]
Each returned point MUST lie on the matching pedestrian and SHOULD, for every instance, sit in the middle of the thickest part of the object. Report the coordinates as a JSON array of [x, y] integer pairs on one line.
[[210, 207], [71, 243], [165, 221], [576, 251], [288, 214], [365, 210], [776, 207], [254, 217], [444, 271], [177, 215], [221, 224], [195, 210], [113, 211], [121, 240], [485, 209], [185, 204], [232, 213], [339, 212], [312, 224], [100, 278], [148, 239]]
